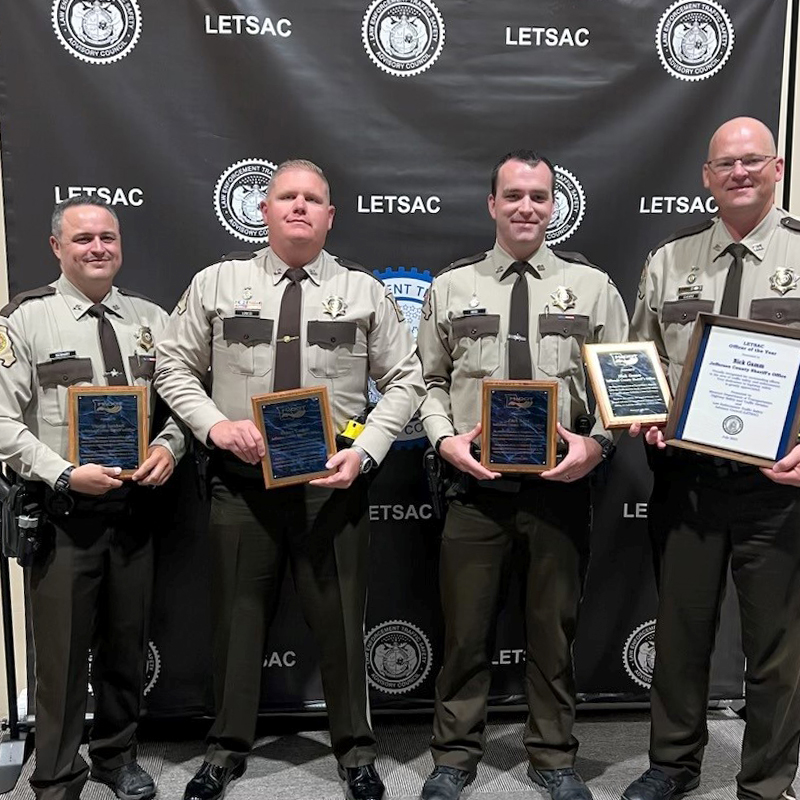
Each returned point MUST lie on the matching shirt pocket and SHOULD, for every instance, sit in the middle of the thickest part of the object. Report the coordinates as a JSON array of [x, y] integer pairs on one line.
[[331, 347], [249, 348], [476, 346], [54, 378], [677, 321], [561, 339], [780, 310], [142, 367]]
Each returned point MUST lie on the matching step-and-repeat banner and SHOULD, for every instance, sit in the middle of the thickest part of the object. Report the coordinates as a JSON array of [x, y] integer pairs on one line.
[[178, 112]]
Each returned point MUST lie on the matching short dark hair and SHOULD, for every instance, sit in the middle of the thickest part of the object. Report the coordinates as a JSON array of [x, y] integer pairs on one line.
[[528, 157], [71, 202]]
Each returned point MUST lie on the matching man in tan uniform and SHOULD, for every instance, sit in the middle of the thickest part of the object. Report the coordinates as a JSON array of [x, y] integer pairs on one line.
[[706, 513], [290, 315], [90, 581], [519, 311]]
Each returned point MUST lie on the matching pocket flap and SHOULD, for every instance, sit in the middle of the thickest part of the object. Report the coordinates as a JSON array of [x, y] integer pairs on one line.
[[474, 326], [64, 372], [685, 311], [782, 310], [327, 333], [142, 366], [564, 325], [247, 330]]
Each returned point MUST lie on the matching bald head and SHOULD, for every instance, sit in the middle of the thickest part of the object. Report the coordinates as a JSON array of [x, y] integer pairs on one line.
[[741, 129], [741, 173]]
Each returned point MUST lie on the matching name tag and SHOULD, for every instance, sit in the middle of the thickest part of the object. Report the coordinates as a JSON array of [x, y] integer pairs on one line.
[[472, 312], [59, 354], [245, 312]]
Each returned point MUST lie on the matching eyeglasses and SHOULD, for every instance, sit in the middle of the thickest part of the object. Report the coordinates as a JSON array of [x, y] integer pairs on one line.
[[751, 162]]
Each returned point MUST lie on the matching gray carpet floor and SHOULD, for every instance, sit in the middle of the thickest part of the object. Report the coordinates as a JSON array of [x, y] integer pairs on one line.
[[301, 766]]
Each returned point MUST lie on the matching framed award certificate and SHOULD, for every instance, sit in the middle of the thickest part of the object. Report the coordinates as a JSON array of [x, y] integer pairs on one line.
[[108, 425], [298, 435], [739, 394], [628, 382], [519, 425]]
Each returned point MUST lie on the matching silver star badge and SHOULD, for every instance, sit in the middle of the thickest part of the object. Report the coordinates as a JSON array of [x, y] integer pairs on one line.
[[564, 298], [334, 306], [783, 280], [145, 338]]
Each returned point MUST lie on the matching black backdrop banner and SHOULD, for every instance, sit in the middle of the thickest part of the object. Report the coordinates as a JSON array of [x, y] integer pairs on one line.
[[179, 112]]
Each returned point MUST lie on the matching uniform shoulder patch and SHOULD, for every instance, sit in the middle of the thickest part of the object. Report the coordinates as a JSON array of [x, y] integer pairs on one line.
[[692, 230], [238, 255], [19, 299], [791, 223], [131, 293], [347, 264], [464, 262], [7, 354]]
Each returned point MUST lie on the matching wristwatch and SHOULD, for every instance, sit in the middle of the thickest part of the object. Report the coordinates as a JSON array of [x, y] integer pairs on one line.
[[62, 482], [607, 447], [439, 441], [367, 462]]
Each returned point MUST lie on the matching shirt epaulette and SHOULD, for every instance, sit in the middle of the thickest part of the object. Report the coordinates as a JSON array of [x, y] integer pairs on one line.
[[131, 293], [464, 262], [19, 299], [791, 223], [575, 258], [684, 232], [347, 264], [238, 255]]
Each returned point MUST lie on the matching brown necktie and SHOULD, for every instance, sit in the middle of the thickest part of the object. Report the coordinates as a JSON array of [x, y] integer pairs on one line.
[[287, 342], [733, 283], [109, 344], [519, 351]]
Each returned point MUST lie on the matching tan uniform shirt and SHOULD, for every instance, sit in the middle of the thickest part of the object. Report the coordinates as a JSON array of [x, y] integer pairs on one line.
[[351, 329], [686, 276], [571, 302], [50, 343]]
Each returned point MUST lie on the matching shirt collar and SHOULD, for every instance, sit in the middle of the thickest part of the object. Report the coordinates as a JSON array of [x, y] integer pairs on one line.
[[503, 260], [78, 303], [277, 268], [757, 241]]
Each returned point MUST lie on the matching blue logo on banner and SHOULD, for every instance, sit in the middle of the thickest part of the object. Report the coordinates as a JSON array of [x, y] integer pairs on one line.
[[408, 285]]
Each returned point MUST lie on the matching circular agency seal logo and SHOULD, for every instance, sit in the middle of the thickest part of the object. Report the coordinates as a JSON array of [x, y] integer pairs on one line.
[[639, 654], [152, 667], [237, 196], [732, 425], [569, 206], [408, 287], [694, 39], [97, 31], [399, 657], [403, 37]]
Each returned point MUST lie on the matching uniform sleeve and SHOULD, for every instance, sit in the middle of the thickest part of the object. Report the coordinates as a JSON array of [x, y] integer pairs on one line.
[[611, 328], [171, 436], [395, 368], [645, 326], [19, 447], [437, 368], [183, 357]]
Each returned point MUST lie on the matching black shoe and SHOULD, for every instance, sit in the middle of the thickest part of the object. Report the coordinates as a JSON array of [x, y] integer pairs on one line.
[[657, 785], [129, 782], [445, 783], [562, 784], [362, 783], [210, 781]]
